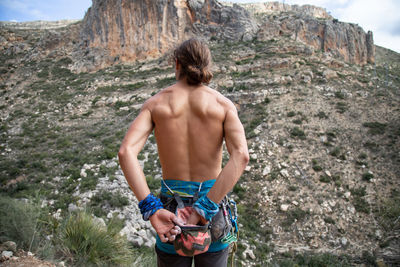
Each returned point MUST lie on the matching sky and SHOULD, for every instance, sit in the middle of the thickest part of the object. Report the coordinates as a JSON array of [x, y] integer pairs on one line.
[[380, 16]]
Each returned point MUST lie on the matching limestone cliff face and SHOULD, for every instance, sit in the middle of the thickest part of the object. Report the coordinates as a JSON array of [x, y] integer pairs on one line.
[[136, 29], [213, 19], [127, 30], [343, 40]]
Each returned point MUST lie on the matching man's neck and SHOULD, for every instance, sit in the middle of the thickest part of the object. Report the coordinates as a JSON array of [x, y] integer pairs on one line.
[[182, 83]]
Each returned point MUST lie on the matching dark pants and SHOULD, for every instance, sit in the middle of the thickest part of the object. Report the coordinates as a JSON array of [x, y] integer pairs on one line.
[[208, 259]]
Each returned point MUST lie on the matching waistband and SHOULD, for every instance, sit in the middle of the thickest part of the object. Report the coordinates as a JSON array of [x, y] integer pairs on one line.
[[186, 188]]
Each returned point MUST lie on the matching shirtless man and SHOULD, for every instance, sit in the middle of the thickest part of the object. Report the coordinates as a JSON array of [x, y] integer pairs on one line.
[[190, 122]]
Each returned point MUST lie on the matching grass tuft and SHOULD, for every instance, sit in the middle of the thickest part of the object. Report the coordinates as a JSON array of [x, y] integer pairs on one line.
[[86, 242]]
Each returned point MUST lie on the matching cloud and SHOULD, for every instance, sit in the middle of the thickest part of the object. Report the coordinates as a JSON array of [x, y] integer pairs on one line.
[[395, 30], [381, 17], [387, 40], [25, 8], [374, 14]]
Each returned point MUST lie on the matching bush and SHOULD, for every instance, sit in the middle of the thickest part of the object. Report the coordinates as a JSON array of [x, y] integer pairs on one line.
[[291, 114], [322, 115], [103, 198], [375, 127], [315, 165], [297, 132], [389, 211], [317, 260], [296, 214], [367, 176], [324, 179], [341, 107], [86, 242], [20, 222]]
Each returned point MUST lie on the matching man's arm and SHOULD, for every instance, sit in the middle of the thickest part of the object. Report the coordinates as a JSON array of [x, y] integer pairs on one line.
[[236, 144], [162, 220], [132, 144]]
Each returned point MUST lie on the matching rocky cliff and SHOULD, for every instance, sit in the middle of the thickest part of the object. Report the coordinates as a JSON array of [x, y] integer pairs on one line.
[[276, 7], [131, 30], [343, 40]]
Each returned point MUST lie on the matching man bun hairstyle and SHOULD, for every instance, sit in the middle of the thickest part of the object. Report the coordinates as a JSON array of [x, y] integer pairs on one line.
[[195, 59]]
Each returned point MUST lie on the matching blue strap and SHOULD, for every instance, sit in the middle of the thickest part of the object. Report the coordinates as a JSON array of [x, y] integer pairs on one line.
[[149, 206], [206, 208]]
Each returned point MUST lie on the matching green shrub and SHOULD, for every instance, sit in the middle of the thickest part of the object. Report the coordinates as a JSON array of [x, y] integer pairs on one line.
[[389, 211], [315, 165], [20, 222], [324, 179], [298, 121], [107, 198], [85, 242], [291, 114], [339, 95], [153, 183], [239, 191], [292, 188], [337, 152], [329, 220], [119, 104], [316, 260], [297, 132], [341, 107], [363, 155], [322, 115], [296, 214], [367, 176], [358, 191], [375, 127], [165, 82], [360, 204], [317, 168], [89, 182]]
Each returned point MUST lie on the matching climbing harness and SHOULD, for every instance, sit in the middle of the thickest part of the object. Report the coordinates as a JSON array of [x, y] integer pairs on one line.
[[196, 239], [233, 235]]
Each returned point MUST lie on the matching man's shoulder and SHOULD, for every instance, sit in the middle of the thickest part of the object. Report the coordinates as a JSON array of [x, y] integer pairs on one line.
[[224, 101], [157, 98]]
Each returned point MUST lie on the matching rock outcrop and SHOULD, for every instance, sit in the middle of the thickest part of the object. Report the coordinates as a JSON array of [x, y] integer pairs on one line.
[[274, 7], [127, 30], [343, 40], [131, 30]]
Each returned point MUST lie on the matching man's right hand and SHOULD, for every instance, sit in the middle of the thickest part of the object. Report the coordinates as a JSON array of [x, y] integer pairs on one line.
[[164, 222]]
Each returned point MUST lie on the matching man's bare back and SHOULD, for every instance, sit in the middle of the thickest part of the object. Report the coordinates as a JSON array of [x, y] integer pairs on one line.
[[189, 131], [190, 122]]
